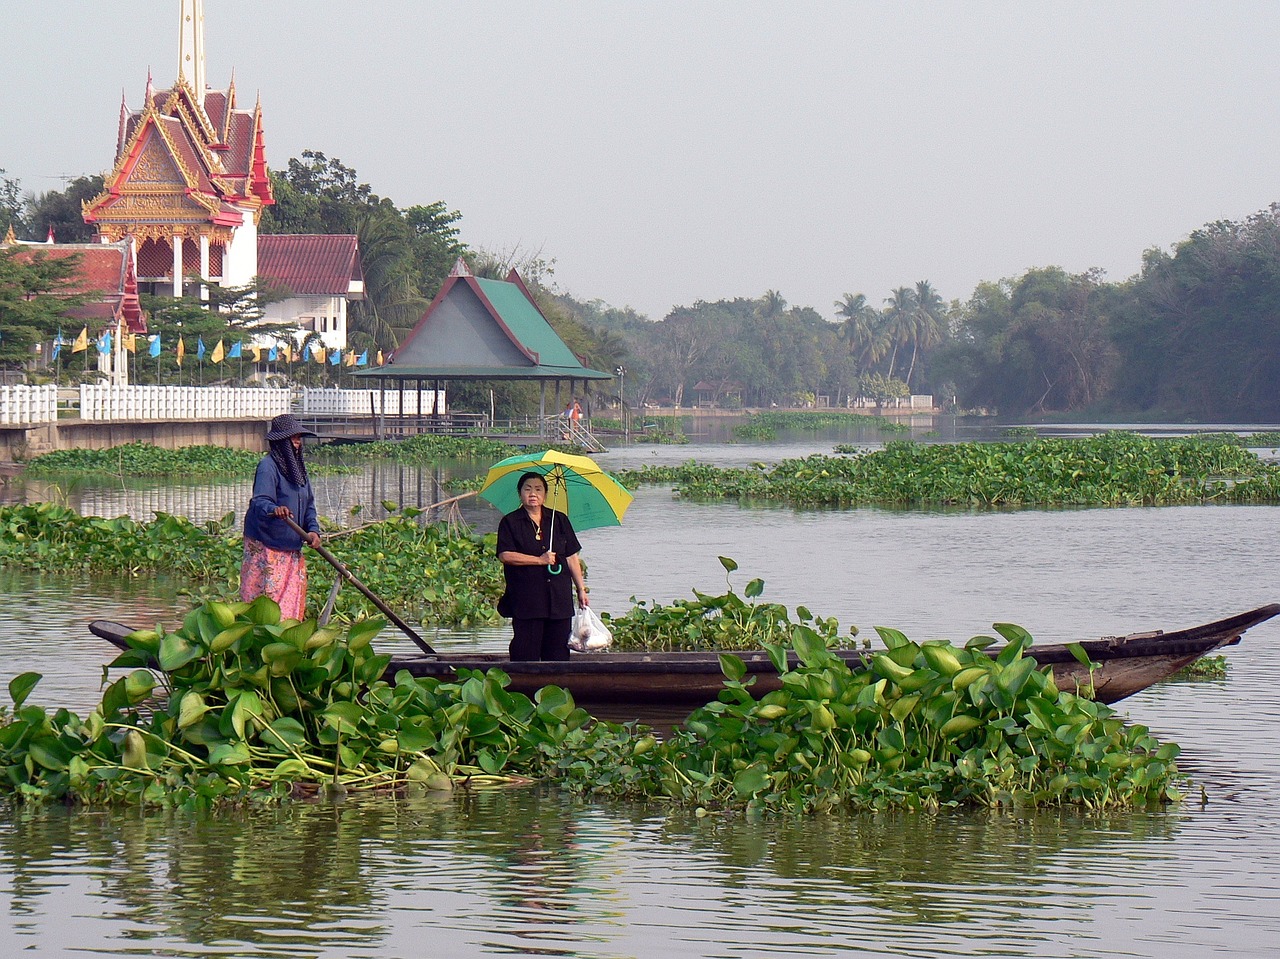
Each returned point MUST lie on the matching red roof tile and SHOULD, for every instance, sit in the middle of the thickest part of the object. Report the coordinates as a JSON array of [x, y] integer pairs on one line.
[[310, 264], [101, 268], [102, 271]]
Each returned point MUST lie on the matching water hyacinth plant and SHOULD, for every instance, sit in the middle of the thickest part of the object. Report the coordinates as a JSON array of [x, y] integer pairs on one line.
[[925, 726], [1115, 469], [727, 621], [437, 574], [253, 706], [145, 459]]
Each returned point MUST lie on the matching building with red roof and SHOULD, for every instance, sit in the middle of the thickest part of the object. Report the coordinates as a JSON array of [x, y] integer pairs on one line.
[[105, 278], [321, 274]]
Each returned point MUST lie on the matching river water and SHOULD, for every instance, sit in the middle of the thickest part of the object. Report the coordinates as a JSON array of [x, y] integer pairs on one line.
[[529, 872]]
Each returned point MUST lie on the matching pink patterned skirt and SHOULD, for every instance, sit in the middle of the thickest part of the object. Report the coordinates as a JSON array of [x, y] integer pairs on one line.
[[280, 574]]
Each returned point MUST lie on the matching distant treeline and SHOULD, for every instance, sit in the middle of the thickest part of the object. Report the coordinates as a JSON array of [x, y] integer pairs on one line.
[[1193, 336]]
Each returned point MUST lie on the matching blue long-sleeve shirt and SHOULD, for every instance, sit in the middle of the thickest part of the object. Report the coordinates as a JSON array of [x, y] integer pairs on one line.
[[271, 488]]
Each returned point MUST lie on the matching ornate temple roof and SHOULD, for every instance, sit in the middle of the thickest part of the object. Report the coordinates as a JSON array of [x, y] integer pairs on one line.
[[183, 162]]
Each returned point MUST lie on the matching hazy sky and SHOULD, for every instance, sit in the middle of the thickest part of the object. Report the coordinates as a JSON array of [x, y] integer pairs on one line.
[[666, 152]]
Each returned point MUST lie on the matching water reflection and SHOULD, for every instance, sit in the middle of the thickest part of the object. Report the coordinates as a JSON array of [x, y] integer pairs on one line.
[[525, 872]]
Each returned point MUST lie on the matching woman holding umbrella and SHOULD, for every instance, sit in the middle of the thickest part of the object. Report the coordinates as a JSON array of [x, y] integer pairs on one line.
[[537, 546]]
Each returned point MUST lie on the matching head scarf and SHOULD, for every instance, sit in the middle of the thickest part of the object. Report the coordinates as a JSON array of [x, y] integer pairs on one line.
[[290, 461]]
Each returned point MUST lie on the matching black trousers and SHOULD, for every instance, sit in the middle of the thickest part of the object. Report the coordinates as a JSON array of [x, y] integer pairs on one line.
[[535, 639]]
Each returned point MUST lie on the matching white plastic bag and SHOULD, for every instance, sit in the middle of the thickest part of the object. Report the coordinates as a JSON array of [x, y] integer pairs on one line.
[[587, 633]]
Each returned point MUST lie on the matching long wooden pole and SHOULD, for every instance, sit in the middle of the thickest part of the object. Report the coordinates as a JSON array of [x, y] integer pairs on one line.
[[350, 578]]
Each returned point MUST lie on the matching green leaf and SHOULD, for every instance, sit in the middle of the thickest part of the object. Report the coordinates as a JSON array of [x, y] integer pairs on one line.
[[809, 647], [284, 731], [751, 780], [50, 753], [176, 651], [229, 754], [1081, 656], [138, 685], [191, 709], [777, 655], [344, 717], [754, 588], [20, 687], [416, 734], [362, 633], [732, 666], [892, 638], [264, 611], [728, 564]]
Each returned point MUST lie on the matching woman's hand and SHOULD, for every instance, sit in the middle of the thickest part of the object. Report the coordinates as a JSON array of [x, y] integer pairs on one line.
[[548, 558], [582, 596], [313, 540], [282, 512]]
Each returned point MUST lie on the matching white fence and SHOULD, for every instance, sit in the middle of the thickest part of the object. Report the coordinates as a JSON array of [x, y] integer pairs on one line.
[[181, 403], [916, 401], [334, 402], [28, 404]]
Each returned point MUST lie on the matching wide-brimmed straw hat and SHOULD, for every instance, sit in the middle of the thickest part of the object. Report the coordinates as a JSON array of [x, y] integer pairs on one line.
[[286, 425]]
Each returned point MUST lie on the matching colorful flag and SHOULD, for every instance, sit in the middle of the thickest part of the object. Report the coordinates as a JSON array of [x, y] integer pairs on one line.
[[317, 352], [217, 353], [154, 349], [257, 353], [58, 344], [350, 358], [182, 350], [104, 342], [363, 359], [130, 342], [82, 341], [379, 363], [200, 348], [271, 356], [335, 357], [235, 351]]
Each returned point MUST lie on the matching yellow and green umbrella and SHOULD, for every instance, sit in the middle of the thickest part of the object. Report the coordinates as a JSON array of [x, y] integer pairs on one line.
[[576, 486]]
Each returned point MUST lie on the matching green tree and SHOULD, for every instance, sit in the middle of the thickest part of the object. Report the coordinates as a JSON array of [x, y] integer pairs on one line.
[[11, 207], [35, 297], [883, 389], [927, 323], [899, 322], [61, 211]]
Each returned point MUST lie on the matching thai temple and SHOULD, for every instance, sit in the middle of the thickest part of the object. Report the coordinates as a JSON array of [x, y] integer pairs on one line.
[[184, 199]]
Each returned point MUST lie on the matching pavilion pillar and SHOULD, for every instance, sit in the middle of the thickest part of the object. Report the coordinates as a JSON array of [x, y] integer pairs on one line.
[[204, 267], [542, 408], [177, 265], [380, 424]]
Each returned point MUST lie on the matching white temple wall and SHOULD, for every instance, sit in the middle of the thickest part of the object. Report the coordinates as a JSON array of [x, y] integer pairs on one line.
[[240, 258]]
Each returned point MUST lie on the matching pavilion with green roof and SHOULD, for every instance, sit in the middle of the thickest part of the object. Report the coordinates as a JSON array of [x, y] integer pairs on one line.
[[482, 329]]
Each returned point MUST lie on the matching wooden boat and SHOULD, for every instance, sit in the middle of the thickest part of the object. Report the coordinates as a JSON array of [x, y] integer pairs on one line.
[[1126, 664]]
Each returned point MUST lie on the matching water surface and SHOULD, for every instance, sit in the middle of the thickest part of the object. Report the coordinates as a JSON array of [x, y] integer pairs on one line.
[[530, 872]]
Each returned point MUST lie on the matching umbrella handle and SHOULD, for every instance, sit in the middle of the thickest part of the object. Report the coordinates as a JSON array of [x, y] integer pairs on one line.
[[555, 570]]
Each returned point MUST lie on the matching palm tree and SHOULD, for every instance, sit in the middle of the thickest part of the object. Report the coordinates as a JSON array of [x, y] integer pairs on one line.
[[899, 321], [393, 302], [771, 305], [861, 329], [926, 328]]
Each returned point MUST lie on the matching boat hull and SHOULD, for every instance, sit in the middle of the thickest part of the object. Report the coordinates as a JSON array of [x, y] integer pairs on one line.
[[1124, 665]]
